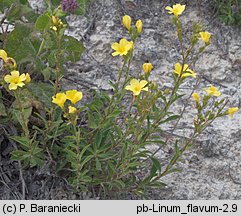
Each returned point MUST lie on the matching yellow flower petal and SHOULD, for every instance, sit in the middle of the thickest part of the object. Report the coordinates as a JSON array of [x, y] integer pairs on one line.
[[128, 87], [232, 110], [12, 86], [8, 78], [134, 82], [59, 99], [15, 74], [20, 84], [22, 77], [74, 96], [195, 96], [143, 83], [3, 55], [115, 46], [115, 53], [28, 78]]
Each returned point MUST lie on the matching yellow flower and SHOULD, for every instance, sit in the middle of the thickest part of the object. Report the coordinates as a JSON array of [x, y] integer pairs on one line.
[[205, 36], [74, 96], [126, 20], [15, 80], [57, 24], [59, 99], [54, 20], [28, 78], [3, 55], [185, 71], [213, 91], [177, 9], [147, 67], [139, 26], [136, 87], [72, 110], [122, 48], [232, 110], [8, 60], [195, 96], [54, 28], [11, 62]]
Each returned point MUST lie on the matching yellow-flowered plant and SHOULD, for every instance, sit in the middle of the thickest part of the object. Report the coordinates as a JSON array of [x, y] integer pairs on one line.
[[59, 99], [213, 91], [103, 145], [147, 67], [184, 71], [122, 48], [72, 109], [56, 24], [176, 9], [74, 96], [196, 97], [3, 55], [205, 36], [232, 110], [16, 80], [126, 20], [9, 62], [137, 86], [139, 26]]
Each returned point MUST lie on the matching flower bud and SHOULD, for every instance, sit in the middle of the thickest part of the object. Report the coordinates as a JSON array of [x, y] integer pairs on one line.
[[139, 26], [147, 67], [126, 20]]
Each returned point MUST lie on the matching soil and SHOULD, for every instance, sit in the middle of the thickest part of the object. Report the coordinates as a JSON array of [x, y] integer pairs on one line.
[[211, 169]]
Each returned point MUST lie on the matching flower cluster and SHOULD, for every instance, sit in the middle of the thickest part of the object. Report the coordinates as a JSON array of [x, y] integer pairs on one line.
[[14, 79], [56, 24], [72, 95], [212, 91], [69, 5], [9, 62], [177, 10]]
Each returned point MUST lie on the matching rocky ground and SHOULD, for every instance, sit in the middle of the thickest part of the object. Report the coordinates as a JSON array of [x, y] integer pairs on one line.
[[211, 169]]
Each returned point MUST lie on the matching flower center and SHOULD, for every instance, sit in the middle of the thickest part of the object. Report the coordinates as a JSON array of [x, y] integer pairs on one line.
[[15, 80], [137, 88], [121, 49]]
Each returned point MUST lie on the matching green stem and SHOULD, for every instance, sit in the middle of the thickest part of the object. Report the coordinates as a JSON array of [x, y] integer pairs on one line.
[[41, 47], [57, 65], [25, 122]]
